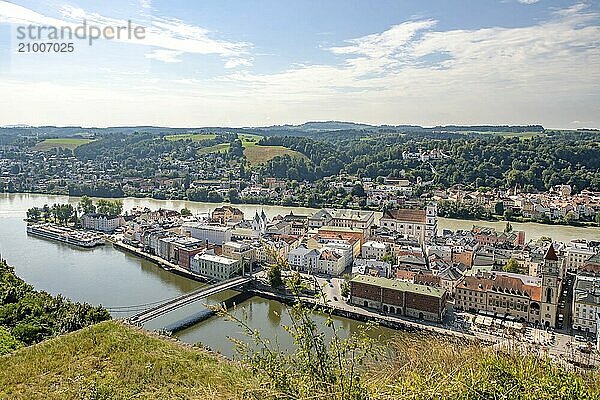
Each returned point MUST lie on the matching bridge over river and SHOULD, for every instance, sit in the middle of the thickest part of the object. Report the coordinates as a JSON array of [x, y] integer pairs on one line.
[[188, 298]]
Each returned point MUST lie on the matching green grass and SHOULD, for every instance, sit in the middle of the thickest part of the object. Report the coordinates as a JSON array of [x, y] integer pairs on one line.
[[67, 143], [261, 154], [427, 367], [195, 137], [114, 361], [249, 140], [214, 149], [111, 360], [520, 135], [255, 153]]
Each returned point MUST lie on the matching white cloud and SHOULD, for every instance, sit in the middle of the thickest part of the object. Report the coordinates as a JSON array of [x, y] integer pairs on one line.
[[169, 38], [167, 56], [528, 1], [413, 72], [238, 62]]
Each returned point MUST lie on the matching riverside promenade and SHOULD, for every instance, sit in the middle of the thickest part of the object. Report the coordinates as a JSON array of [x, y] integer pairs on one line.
[[161, 262]]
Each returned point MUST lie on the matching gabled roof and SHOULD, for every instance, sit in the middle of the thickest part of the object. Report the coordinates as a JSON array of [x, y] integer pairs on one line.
[[405, 214]]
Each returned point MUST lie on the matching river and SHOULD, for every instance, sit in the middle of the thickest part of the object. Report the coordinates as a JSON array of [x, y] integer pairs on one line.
[[10, 204], [116, 280], [106, 276]]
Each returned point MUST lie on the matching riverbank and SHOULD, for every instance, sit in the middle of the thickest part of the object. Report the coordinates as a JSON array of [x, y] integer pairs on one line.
[[494, 218], [339, 308], [160, 262], [18, 204]]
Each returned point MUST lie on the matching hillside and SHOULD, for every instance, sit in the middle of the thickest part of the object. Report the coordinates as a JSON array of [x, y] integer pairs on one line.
[[113, 361]]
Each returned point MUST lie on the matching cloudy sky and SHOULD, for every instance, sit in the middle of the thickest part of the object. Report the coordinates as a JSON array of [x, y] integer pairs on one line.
[[251, 63]]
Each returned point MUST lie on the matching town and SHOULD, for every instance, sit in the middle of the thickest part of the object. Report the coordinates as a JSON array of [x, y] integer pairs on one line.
[[399, 266], [254, 168]]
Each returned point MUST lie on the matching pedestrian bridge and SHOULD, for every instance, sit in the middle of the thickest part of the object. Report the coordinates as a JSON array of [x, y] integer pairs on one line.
[[188, 298]]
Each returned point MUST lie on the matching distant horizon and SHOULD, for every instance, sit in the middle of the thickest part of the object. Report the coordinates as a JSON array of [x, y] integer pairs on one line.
[[292, 125]]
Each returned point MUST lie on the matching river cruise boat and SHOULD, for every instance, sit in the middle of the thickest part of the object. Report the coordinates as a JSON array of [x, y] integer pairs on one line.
[[66, 235]]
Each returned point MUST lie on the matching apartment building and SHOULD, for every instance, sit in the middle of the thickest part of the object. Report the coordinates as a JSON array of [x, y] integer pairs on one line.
[[102, 222], [208, 233], [586, 302], [215, 267]]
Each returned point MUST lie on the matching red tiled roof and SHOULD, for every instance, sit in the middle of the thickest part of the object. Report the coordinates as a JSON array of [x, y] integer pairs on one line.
[[406, 214], [501, 283]]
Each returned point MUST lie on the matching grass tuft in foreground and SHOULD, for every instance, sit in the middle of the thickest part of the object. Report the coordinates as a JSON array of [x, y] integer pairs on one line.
[[114, 361], [430, 367]]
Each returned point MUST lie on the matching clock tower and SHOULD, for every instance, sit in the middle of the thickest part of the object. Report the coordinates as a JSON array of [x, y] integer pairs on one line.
[[550, 289]]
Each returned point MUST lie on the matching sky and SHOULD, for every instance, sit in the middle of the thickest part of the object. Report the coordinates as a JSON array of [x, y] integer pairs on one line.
[[268, 62]]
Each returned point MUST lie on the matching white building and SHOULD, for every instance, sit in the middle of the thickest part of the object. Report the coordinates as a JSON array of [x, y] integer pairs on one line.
[[586, 303], [342, 218], [576, 254], [373, 250], [209, 233], [330, 262], [303, 259], [420, 224], [215, 267], [239, 251], [101, 222]]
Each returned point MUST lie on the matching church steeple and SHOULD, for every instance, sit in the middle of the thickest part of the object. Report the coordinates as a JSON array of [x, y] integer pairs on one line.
[[551, 254], [550, 287]]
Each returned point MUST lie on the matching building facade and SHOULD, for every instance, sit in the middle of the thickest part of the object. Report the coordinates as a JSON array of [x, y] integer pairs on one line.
[[374, 250], [215, 267], [397, 297], [586, 302], [209, 233], [101, 222], [420, 224]]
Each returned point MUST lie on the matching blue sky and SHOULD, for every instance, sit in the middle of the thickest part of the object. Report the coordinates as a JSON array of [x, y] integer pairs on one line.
[[251, 63]]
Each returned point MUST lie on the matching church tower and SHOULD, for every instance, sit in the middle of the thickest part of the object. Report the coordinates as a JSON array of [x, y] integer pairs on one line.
[[550, 289]]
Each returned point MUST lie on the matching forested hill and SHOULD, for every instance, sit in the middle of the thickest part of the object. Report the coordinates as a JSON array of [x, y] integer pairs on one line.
[[535, 162]]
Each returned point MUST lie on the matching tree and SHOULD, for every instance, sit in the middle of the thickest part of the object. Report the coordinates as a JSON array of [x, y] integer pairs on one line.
[[389, 258], [185, 212], [274, 276], [103, 206], [34, 214], [233, 196], [214, 197], [513, 266], [86, 205], [116, 207], [598, 218], [236, 149], [109, 207], [358, 190], [499, 208]]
